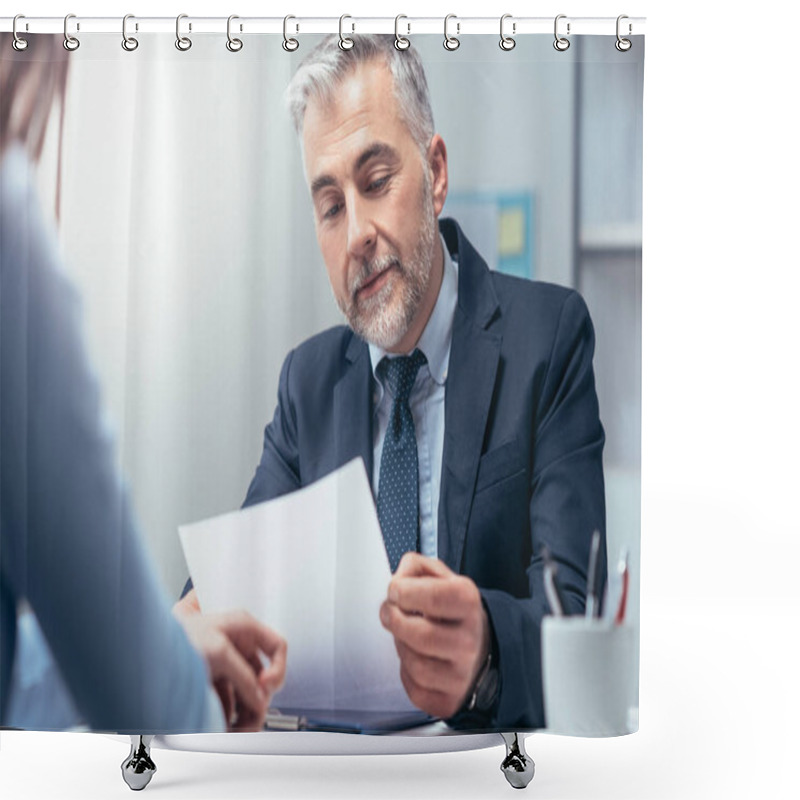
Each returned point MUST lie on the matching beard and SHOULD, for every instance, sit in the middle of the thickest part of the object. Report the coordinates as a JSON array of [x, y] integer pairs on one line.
[[384, 317]]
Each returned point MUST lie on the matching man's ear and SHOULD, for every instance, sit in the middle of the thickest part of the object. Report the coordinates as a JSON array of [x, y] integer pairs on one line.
[[437, 164]]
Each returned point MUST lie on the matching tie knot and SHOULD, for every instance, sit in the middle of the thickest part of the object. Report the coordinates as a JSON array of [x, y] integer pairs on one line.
[[400, 373]]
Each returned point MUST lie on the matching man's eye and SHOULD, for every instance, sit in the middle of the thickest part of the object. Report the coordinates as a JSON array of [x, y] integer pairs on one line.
[[377, 184], [332, 211]]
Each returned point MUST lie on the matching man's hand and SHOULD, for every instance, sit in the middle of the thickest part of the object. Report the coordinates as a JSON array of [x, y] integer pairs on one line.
[[441, 632], [232, 645]]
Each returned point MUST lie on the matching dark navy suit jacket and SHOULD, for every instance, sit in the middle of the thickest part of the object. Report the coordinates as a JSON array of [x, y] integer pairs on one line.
[[522, 461]]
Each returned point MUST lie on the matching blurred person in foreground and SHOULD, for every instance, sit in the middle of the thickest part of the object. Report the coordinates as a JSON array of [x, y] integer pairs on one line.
[[69, 547]]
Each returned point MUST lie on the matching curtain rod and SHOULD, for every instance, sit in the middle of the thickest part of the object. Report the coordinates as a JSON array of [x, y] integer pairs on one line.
[[407, 26]]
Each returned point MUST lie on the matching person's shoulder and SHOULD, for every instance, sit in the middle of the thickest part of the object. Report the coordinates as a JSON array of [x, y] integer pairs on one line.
[[331, 343], [512, 292], [16, 171], [538, 319], [531, 299], [29, 242], [17, 196], [322, 357]]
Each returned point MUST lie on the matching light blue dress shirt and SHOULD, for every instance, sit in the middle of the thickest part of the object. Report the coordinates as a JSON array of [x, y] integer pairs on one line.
[[427, 404]]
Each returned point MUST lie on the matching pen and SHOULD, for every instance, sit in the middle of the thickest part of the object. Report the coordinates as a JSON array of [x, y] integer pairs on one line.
[[592, 590], [551, 588], [275, 721], [624, 574]]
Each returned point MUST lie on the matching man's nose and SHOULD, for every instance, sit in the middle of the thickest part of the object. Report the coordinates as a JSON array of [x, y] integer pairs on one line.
[[361, 232]]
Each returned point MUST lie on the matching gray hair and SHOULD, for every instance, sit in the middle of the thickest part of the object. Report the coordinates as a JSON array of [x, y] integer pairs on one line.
[[324, 68]]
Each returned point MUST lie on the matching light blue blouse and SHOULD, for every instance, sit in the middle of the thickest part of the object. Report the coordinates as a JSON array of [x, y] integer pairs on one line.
[[68, 540]]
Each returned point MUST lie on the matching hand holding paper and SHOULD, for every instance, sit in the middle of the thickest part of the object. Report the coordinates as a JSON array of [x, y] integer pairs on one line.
[[312, 565], [441, 632]]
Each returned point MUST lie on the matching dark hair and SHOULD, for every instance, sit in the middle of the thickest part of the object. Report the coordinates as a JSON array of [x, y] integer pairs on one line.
[[31, 81]]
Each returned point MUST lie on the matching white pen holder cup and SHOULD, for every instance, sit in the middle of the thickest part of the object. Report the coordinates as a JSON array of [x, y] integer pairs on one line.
[[589, 676]]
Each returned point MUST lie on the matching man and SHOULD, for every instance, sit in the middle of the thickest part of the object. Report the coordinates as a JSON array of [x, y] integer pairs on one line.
[[469, 395]]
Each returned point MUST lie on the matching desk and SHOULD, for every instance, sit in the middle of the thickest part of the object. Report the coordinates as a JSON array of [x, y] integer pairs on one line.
[[436, 737]]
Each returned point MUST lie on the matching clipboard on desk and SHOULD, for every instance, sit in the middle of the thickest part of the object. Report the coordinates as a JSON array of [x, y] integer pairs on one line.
[[345, 720]]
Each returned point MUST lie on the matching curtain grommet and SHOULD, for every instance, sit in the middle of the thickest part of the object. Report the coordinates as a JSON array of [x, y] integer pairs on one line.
[[401, 42], [622, 44], [234, 45], [183, 43], [345, 42], [561, 43], [507, 42], [129, 43], [18, 43], [289, 44], [451, 43], [71, 42]]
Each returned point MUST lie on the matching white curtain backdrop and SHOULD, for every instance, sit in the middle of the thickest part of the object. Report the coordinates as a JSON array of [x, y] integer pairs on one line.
[[178, 192]]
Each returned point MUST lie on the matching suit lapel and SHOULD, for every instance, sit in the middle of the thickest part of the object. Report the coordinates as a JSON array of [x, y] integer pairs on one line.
[[352, 404], [472, 371]]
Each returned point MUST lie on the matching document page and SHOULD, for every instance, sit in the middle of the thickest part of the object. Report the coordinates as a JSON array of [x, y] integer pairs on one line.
[[312, 565]]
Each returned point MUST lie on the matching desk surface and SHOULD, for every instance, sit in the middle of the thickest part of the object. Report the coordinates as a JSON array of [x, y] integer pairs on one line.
[[435, 737]]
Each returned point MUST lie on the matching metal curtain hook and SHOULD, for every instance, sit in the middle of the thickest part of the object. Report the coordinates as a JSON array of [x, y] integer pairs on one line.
[[70, 42], [289, 45], [234, 45], [451, 42], [18, 43], [507, 42], [345, 42], [401, 42], [561, 43], [128, 42], [182, 42], [623, 45]]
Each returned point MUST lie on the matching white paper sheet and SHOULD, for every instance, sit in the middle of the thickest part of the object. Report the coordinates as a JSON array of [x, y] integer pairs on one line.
[[312, 565]]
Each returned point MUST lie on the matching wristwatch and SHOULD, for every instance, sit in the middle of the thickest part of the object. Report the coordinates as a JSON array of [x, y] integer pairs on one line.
[[484, 692], [478, 708]]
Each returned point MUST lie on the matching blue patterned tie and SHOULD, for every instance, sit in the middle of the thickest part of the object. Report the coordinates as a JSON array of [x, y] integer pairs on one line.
[[398, 484]]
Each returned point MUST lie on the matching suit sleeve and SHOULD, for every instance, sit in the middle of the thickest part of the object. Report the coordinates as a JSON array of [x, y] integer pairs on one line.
[[567, 503], [278, 471]]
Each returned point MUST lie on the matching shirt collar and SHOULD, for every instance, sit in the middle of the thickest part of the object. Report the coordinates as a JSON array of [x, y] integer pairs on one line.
[[438, 334]]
